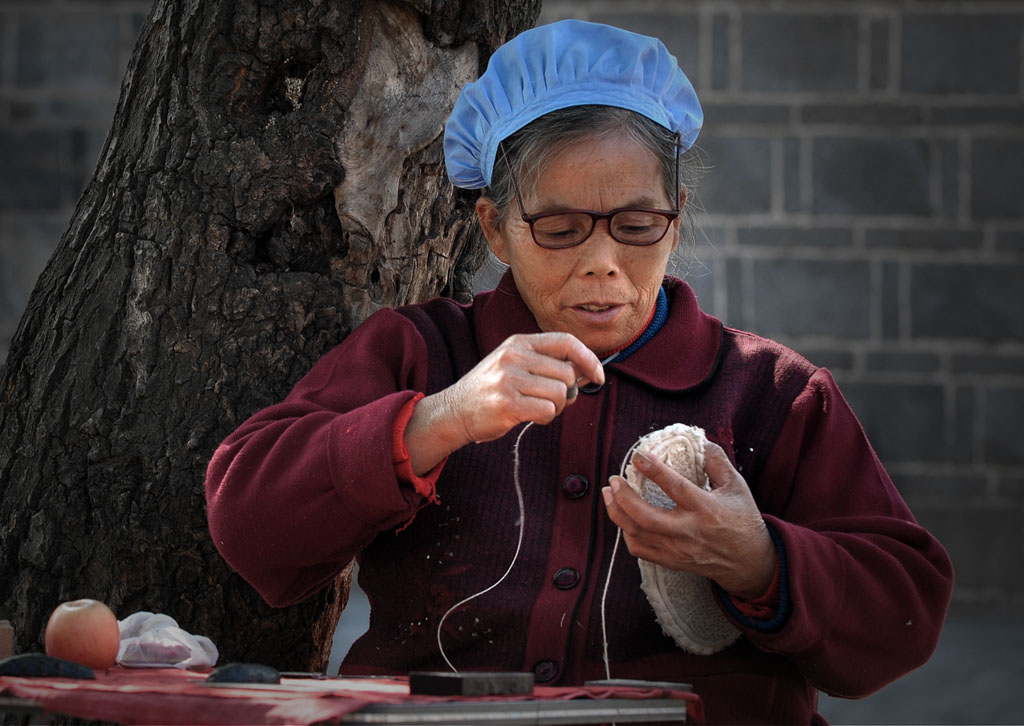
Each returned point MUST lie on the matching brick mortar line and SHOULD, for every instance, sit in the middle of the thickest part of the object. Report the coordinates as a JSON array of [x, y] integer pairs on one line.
[[881, 131], [805, 162], [786, 7], [992, 484], [988, 496], [49, 124], [863, 59], [852, 98], [1008, 349], [949, 381], [925, 468], [128, 38], [777, 173], [935, 173], [980, 430], [48, 93], [895, 54], [862, 370], [9, 49], [876, 301], [977, 428], [843, 255], [808, 221], [918, 498], [964, 180], [20, 214], [46, 120], [1020, 69], [947, 354], [973, 596], [980, 592], [748, 286], [97, 7], [705, 48], [719, 283], [964, 7], [932, 255], [735, 49]]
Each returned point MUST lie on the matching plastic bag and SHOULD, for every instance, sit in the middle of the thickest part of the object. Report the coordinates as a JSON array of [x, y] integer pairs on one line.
[[154, 640]]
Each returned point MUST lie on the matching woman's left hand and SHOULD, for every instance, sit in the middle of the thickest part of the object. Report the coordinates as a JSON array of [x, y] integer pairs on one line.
[[718, 534]]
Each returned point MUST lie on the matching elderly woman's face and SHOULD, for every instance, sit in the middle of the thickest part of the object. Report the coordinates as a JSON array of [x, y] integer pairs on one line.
[[601, 291]]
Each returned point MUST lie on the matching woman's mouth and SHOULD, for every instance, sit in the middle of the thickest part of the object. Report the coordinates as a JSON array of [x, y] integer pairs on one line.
[[597, 312]]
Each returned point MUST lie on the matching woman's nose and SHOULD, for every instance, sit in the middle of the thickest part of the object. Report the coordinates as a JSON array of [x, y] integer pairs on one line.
[[600, 252]]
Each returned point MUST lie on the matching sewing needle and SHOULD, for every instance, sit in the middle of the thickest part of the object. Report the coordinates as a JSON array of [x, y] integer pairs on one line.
[[574, 389]]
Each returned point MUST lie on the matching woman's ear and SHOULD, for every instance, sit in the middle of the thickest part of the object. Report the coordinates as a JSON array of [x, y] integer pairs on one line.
[[678, 221], [490, 224]]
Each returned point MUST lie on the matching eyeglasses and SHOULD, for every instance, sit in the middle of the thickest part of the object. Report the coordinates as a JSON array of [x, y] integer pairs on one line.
[[558, 230]]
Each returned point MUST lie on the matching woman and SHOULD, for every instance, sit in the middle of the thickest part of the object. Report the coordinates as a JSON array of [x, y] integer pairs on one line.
[[405, 445]]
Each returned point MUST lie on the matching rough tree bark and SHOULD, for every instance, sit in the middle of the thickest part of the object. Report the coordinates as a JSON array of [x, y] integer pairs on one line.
[[273, 174]]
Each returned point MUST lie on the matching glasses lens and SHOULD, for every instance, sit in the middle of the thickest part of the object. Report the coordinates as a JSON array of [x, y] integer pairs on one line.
[[635, 227], [561, 230]]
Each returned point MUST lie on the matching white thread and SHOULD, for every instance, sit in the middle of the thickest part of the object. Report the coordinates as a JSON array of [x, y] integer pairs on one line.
[[519, 545], [604, 595], [608, 577]]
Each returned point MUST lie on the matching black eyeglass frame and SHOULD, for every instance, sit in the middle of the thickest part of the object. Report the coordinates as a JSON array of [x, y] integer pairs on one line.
[[670, 215]]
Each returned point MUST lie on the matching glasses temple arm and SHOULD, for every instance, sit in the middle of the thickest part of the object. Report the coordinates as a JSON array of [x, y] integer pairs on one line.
[[515, 184], [678, 144]]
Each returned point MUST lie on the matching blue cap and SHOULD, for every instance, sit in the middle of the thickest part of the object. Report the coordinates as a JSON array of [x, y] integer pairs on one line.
[[568, 63]]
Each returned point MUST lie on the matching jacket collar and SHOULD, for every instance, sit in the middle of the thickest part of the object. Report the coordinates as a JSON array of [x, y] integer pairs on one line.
[[683, 354]]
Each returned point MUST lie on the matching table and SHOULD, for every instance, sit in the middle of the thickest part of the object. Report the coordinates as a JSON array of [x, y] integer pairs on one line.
[[171, 696]]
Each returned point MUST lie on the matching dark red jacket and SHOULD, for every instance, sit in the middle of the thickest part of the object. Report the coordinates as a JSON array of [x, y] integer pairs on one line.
[[306, 485]]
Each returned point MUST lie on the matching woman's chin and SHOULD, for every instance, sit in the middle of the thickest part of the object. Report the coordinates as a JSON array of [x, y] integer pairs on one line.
[[602, 331], [603, 342]]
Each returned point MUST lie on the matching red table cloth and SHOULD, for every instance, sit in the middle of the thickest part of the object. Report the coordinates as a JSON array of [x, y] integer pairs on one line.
[[172, 696]]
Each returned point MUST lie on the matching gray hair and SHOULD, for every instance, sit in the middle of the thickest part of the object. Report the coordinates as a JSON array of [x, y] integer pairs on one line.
[[531, 148]]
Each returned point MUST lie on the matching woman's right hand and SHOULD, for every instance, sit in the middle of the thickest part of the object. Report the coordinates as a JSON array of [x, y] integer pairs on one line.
[[526, 378]]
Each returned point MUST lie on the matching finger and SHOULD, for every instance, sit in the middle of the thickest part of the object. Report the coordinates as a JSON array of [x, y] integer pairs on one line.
[[640, 537], [614, 494], [568, 347], [529, 372], [685, 493], [531, 354], [639, 518], [535, 398]]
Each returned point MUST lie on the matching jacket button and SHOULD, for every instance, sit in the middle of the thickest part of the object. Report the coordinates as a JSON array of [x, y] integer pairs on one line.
[[591, 387], [545, 670], [575, 486], [566, 578]]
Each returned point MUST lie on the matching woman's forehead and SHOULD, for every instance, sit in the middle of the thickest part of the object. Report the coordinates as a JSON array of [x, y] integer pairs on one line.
[[589, 165]]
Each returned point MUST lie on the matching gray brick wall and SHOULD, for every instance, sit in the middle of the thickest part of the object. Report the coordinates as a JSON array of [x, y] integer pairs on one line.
[[61, 64], [864, 204]]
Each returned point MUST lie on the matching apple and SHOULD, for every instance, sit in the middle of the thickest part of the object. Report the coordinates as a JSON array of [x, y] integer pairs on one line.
[[84, 631]]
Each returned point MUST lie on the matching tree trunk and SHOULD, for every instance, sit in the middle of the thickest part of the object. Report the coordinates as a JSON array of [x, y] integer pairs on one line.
[[274, 174]]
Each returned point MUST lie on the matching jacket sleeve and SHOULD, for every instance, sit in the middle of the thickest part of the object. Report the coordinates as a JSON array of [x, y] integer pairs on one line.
[[302, 486], [868, 588]]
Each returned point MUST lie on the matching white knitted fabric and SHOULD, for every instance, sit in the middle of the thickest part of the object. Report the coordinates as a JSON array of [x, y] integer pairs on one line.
[[683, 602]]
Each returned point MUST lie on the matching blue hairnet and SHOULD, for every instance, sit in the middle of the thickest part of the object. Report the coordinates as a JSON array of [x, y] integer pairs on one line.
[[568, 63]]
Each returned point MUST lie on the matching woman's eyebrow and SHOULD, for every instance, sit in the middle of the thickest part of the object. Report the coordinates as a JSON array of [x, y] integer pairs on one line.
[[644, 202]]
